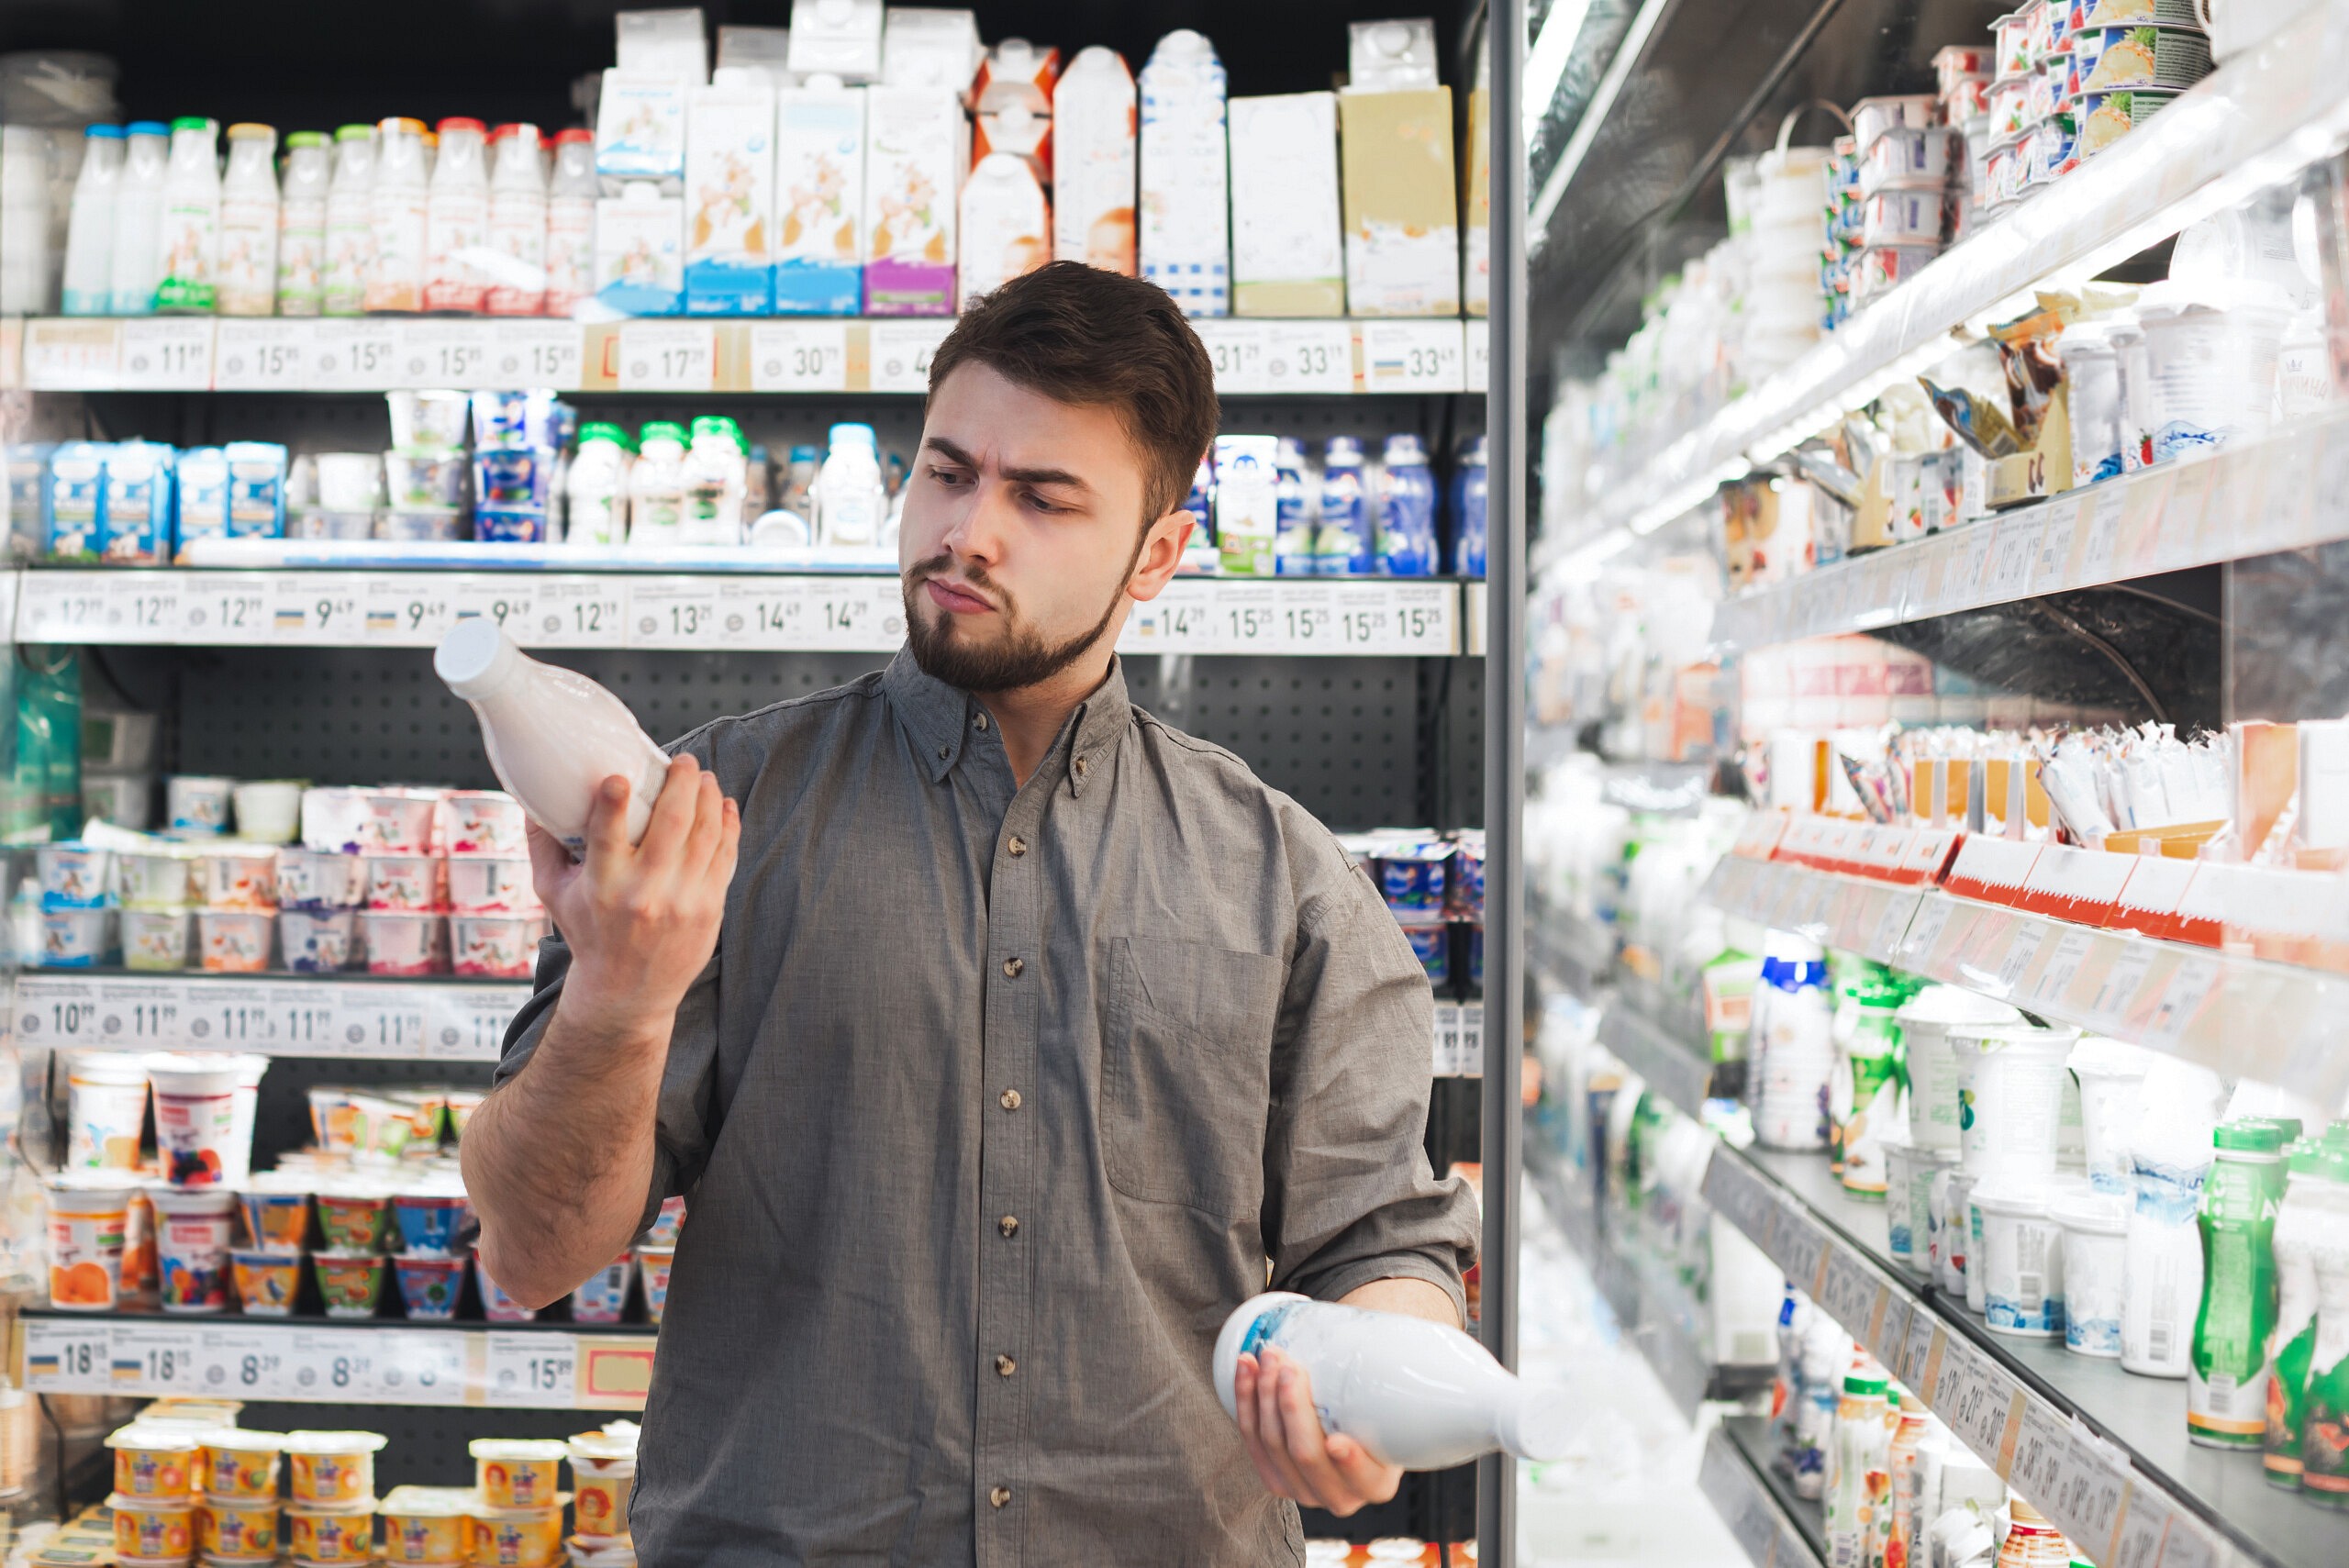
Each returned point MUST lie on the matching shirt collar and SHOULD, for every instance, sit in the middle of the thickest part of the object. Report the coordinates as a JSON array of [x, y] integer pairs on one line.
[[939, 717]]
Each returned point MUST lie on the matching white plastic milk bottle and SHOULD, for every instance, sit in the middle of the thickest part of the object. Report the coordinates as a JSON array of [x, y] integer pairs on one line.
[[457, 219], [396, 204], [571, 221], [517, 221], [248, 281], [850, 501], [138, 219], [301, 223], [1411, 1392], [190, 243], [89, 234], [553, 736], [350, 233]]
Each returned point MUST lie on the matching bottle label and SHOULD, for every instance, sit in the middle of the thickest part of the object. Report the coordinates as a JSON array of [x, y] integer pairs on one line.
[[395, 273], [571, 254], [191, 242], [246, 281], [517, 235], [457, 225], [301, 255], [350, 254]]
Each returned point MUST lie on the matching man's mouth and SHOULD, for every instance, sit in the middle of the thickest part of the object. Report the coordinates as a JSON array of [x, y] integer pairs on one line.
[[953, 599]]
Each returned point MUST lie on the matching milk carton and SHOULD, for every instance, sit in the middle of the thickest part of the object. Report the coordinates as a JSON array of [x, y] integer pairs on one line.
[[914, 140], [662, 43], [202, 506], [730, 195], [1476, 229], [256, 494], [1185, 223], [74, 500], [839, 37], [1092, 163], [1007, 225], [1402, 213], [761, 49], [1247, 502], [1018, 131], [639, 250], [1287, 257], [819, 201], [641, 126], [136, 522], [925, 46]]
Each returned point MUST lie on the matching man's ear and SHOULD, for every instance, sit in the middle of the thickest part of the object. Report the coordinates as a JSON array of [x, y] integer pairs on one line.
[[1162, 552]]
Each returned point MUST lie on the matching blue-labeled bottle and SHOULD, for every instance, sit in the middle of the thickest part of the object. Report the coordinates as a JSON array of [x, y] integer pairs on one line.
[[1468, 512], [1407, 542], [1293, 525], [1342, 541]]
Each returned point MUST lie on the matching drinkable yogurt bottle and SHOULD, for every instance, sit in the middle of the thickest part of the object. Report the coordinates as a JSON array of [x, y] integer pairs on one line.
[[89, 235], [1413, 1393], [350, 234], [552, 735], [189, 246], [247, 283], [137, 261]]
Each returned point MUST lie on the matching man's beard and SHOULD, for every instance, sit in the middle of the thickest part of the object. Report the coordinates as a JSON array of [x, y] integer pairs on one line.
[[1022, 657]]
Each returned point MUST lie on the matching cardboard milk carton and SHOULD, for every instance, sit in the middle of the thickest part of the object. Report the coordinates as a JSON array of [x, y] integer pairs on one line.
[[1402, 210], [1287, 253], [1185, 235]]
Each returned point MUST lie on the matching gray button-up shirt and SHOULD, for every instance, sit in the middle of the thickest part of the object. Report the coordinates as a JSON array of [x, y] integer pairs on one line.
[[991, 1106]]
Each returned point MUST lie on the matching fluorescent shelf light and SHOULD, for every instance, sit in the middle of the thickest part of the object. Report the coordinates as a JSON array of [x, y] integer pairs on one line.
[[1545, 67], [1594, 114]]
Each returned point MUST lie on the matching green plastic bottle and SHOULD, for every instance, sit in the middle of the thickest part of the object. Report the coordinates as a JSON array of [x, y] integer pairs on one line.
[[2309, 1185], [2324, 1422], [2227, 1372]]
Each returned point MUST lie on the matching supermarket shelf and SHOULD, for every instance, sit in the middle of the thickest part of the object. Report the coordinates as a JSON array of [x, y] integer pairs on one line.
[[2263, 113], [439, 1020], [386, 1361], [728, 609], [1578, 954], [783, 355], [2275, 1022], [1776, 1528], [2101, 1452], [2283, 492], [1664, 1061]]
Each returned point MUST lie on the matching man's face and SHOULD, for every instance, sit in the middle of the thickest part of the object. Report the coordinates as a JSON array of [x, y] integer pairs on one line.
[[1022, 540]]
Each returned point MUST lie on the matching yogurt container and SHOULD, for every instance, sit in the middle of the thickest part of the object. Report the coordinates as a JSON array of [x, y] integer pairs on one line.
[[1872, 117], [332, 1469], [1908, 1174], [424, 479], [519, 1472], [105, 1110], [2012, 33], [2010, 108], [2022, 1259], [239, 1465], [516, 1538], [405, 881], [196, 1119], [275, 1218], [268, 1281], [498, 1307], [404, 943], [2106, 118], [243, 877], [415, 524], [269, 811], [193, 1228], [428, 421], [463, 1103], [330, 1537], [89, 1230], [2051, 151], [238, 1529], [1902, 216], [431, 1287], [354, 1218], [2096, 1230], [599, 1551], [653, 1263], [401, 821], [603, 1295], [320, 879], [351, 1283], [602, 1474], [318, 522], [2145, 55], [153, 1462], [2112, 1075], [318, 941], [505, 947], [74, 875], [1911, 156], [155, 879], [156, 939], [429, 1222], [666, 1225], [76, 939], [484, 822], [1879, 268], [234, 941], [335, 819], [196, 803], [424, 1526], [152, 1530], [2010, 1094], [491, 884]]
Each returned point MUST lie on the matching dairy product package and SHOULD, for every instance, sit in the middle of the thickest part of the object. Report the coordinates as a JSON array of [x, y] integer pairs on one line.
[[256, 489], [1184, 240], [1018, 131], [841, 37], [1007, 225], [639, 250], [1092, 163], [135, 521], [1387, 57], [640, 126], [923, 46], [730, 195], [1247, 502], [1402, 214], [914, 140], [74, 500], [1286, 255], [758, 48], [1476, 202], [819, 200], [200, 505], [662, 43]]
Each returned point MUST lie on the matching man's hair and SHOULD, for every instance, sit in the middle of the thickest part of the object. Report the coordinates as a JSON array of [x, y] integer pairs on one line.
[[1098, 340]]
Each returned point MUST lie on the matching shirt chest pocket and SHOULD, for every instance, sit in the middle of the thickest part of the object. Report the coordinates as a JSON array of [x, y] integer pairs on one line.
[[1187, 1073]]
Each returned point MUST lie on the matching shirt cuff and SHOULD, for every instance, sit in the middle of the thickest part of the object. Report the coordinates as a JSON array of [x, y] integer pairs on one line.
[[1346, 1278]]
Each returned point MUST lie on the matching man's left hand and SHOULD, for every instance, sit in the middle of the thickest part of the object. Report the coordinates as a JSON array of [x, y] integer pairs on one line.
[[1294, 1456]]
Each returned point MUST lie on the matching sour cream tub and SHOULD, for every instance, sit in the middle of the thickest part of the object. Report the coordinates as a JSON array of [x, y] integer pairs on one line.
[[1926, 1021], [485, 822], [318, 941], [74, 875], [1923, 155], [2096, 1230], [401, 821], [320, 879], [404, 943], [1872, 117], [234, 941], [404, 882], [156, 939], [2022, 1259]]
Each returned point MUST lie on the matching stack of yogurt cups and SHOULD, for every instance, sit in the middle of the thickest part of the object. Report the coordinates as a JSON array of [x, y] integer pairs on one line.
[[603, 1474]]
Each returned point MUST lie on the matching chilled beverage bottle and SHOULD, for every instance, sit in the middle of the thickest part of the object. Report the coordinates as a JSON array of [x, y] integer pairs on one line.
[[1292, 519], [1407, 546], [456, 219], [2309, 1185], [1341, 542], [89, 233], [189, 246], [571, 222], [247, 277], [2226, 1383], [517, 221], [350, 230], [553, 736], [1468, 533], [397, 199], [302, 223], [657, 487], [137, 263], [2324, 1421]]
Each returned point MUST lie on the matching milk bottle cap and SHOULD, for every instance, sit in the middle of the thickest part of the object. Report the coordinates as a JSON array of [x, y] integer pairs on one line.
[[1403, 448], [105, 132], [1341, 451], [573, 133], [859, 435], [599, 431], [661, 431], [451, 126], [147, 127], [295, 139], [354, 133], [714, 425], [248, 131]]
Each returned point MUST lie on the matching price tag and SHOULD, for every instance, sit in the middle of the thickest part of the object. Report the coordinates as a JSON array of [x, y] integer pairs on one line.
[[1892, 1330], [2180, 1000], [2018, 552], [2020, 950], [1309, 356], [67, 1357], [145, 1014], [1970, 579], [856, 613], [1410, 356], [330, 1364], [149, 1361], [503, 597], [1237, 351], [248, 1365], [580, 612], [2091, 1493], [527, 354], [1425, 618], [352, 356], [2071, 950], [532, 1370], [765, 612], [230, 1016], [261, 355], [1478, 374], [2056, 534], [409, 611], [673, 612], [2142, 1530], [1247, 618], [2117, 994], [166, 353], [442, 353], [2188, 1543], [668, 356], [1849, 1295], [1983, 1406], [92, 606], [1471, 1039], [1304, 618], [379, 1020], [901, 352], [1892, 925], [72, 354], [227, 609], [2039, 1453], [315, 610], [799, 356], [1918, 1358], [420, 1366], [1803, 1251], [467, 1023], [2103, 514], [53, 1013], [1925, 931], [302, 1019]]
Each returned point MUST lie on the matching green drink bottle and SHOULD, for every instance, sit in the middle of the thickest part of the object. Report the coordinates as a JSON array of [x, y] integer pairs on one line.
[[2309, 1184], [2324, 1420], [2226, 1389]]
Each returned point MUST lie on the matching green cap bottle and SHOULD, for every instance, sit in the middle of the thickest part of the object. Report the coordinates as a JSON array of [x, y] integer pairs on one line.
[[2227, 1370]]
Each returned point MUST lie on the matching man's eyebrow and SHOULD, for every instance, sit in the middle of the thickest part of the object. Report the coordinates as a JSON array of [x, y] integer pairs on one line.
[[1058, 476]]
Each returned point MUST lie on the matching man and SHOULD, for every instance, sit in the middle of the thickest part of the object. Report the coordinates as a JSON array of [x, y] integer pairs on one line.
[[1003, 1039]]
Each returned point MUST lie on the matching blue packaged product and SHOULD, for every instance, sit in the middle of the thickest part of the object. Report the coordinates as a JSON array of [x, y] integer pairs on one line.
[[1292, 519], [26, 478], [74, 500], [1467, 890], [1342, 541], [510, 525], [256, 489], [1411, 874], [1407, 545], [509, 477], [1432, 946], [1469, 486], [202, 511], [520, 419], [136, 523]]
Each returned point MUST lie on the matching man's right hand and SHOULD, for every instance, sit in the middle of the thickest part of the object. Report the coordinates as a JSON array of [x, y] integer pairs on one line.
[[640, 921]]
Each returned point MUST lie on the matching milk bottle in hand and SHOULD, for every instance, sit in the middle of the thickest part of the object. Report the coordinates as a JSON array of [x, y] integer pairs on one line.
[[1414, 1393], [553, 736]]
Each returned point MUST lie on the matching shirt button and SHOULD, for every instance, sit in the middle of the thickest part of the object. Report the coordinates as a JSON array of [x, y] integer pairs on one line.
[[999, 1496], [979, 721], [1005, 1366], [944, 751], [1008, 1225], [1018, 846], [1009, 1100], [1079, 765], [1012, 966]]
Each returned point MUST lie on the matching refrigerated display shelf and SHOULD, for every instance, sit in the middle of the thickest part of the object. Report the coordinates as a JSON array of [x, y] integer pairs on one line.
[[2286, 492], [436, 1018], [1661, 1057], [1775, 1527], [1331, 357]]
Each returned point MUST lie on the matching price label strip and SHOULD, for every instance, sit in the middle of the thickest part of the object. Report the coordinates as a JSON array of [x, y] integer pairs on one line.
[[799, 356], [1238, 352], [1310, 357], [902, 350], [1412, 356], [352, 356], [468, 1023], [166, 353], [525, 354], [578, 612], [414, 610], [531, 1370], [764, 613], [668, 356], [443, 353], [674, 612], [262, 355]]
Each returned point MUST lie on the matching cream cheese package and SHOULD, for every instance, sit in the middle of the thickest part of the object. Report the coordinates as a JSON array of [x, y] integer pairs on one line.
[[730, 195], [1184, 216], [915, 142], [640, 126], [1287, 256], [639, 259], [1092, 163], [819, 201], [135, 521], [1007, 225], [1402, 213]]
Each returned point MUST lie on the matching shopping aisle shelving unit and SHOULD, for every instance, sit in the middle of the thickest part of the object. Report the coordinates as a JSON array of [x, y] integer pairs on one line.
[[1775, 1527]]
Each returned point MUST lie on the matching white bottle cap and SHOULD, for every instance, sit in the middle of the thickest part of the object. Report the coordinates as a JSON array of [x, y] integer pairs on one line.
[[476, 658], [1541, 1426]]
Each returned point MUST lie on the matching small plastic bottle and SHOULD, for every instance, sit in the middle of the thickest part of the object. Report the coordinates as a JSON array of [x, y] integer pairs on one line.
[[136, 262], [456, 224], [571, 221], [248, 279], [849, 501], [190, 234], [1293, 517], [517, 221], [598, 487], [716, 475], [350, 232], [395, 218], [302, 223], [1342, 541], [89, 235], [1468, 534], [1407, 544], [657, 487]]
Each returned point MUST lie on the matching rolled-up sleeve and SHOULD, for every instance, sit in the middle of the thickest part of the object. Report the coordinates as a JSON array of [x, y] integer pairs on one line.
[[1349, 1196]]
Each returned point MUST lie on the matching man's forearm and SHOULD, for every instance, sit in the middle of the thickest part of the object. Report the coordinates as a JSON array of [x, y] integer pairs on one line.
[[1408, 1297], [559, 1159]]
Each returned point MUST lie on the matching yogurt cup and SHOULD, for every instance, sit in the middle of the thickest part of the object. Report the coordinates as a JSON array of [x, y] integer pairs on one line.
[[1946, 1206], [401, 821], [424, 479], [355, 1219], [195, 1119], [276, 1218], [404, 943], [603, 1295], [334, 819], [351, 1283], [431, 1287], [653, 1263], [519, 1472], [238, 1529], [249, 1067], [2010, 1095], [193, 1230], [502, 946], [428, 421], [405, 881], [74, 875], [268, 1282], [332, 1469], [2112, 1075], [330, 1537], [2096, 1230], [517, 1537], [318, 522], [153, 1462], [424, 1526], [484, 822], [240, 877], [428, 1112], [498, 1307], [1926, 1021], [389, 1124], [234, 941], [336, 1121], [1872, 117], [429, 1222], [2145, 55], [153, 1531], [599, 1551], [666, 1224], [105, 1110], [76, 939], [2105, 117], [348, 480], [1904, 217], [320, 879], [491, 884], [318, 941], [127, 800], [239, 1466], [421, 523], [602, 1474], [1908, 1172], [196, 802], [2022, 1259], [269, 811], [156, 939], [155, 879]]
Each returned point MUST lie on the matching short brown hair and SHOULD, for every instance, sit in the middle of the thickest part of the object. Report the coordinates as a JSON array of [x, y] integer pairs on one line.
[[1098, 339]]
